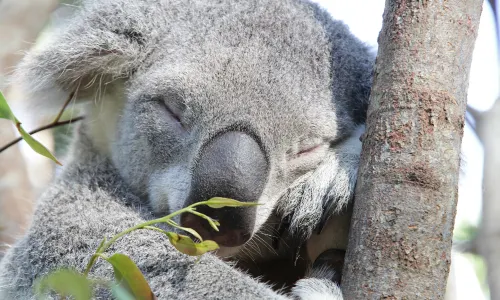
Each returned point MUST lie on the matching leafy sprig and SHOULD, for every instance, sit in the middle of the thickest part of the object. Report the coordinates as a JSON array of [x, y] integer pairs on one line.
[[129, 281]]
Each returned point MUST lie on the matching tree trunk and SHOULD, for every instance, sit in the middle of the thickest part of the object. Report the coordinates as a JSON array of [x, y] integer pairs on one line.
[[401, 231]]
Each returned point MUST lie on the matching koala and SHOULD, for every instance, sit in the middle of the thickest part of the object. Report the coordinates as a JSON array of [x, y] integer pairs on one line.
[[255, 100]]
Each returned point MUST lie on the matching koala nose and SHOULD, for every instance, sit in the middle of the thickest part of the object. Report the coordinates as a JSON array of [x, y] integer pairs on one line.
[[232, 165]]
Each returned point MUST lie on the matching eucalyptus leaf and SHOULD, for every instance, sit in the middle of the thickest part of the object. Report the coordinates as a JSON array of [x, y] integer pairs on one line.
[[65, 283], [213, 223], [190, 230], [186, 245], [207, 246], [121, 293], [5, 111], [36, 145], [130, 277], [220, 202]]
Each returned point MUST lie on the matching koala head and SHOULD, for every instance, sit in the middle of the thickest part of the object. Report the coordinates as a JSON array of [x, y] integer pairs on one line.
[[214, 99]]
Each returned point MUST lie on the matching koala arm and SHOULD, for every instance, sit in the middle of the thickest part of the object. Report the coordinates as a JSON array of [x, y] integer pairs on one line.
[[90, 202]]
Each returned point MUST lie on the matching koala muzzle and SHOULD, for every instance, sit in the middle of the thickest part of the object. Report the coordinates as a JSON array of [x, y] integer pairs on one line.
[[231, 165]]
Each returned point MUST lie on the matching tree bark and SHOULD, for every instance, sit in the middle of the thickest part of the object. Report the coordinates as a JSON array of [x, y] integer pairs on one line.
[[401, 230]]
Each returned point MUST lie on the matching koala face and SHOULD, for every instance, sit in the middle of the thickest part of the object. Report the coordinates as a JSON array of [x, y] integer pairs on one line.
[[250, 100], [197, 131]]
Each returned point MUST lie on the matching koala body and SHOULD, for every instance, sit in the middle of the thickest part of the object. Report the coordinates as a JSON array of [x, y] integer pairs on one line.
[[253, 100]]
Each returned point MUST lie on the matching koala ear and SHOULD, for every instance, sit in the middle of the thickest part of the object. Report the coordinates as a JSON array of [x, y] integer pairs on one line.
[[101, 43]]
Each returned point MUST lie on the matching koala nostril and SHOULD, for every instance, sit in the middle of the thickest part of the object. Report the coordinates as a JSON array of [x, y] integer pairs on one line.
[[231, 238]]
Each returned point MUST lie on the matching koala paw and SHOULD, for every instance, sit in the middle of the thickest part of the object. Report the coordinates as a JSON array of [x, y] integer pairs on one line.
[[322, 282], [316, 289], [329, 265]]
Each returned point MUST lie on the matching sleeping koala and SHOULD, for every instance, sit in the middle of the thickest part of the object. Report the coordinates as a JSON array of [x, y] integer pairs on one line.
[[253, 100]]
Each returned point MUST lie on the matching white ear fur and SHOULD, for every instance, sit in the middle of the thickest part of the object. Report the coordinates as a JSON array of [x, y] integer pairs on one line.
[[84, 57], [102, 113]]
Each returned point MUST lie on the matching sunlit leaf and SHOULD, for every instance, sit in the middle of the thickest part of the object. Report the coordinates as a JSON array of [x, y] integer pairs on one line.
[[65, 283], [36, 145], [190, 230], [193, 232], [219, 202], [206, 246], [5, 111], [213, 223], [130, 277], [186, 245]]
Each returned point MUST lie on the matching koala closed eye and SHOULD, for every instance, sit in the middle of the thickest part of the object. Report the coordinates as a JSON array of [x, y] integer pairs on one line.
[[306, 156], [310, 149], [174, 109], [173, 113]]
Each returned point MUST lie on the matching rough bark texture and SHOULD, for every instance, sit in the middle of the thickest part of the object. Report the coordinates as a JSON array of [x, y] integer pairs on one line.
[[401, 231], [488, 127]]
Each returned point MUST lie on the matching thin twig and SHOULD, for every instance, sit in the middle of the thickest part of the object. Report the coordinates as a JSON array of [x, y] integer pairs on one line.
[[49, 126], [70, 97]]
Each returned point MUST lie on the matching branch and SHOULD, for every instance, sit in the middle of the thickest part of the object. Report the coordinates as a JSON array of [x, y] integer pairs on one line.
[[49, 126], [61, 111], [54, 124]]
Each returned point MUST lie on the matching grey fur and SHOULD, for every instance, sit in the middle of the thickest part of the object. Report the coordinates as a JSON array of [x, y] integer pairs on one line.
[[282, 70], [319, 286]]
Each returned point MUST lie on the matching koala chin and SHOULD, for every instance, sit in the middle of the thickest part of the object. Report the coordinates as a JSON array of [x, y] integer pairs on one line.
[[259, 101]]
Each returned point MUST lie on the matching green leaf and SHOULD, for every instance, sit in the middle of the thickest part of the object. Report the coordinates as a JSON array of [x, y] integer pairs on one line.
[[65, 283], [121, 293], [129, 275], [190, 230], [36, 145], [206, 246], [212, 222], [219, 202], [186, 245], [5, 111]]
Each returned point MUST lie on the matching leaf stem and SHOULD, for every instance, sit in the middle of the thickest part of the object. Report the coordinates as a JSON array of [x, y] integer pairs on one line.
[[155, 229]]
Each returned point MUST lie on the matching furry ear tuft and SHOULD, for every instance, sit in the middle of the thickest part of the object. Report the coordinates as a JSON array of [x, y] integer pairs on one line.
[[99, 45]]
